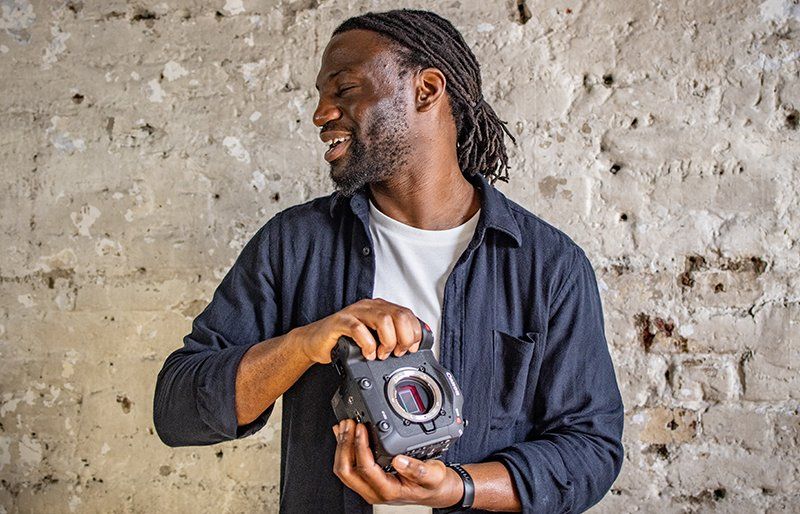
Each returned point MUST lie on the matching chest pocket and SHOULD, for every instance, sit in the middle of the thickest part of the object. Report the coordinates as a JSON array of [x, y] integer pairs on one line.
[[511, 369]]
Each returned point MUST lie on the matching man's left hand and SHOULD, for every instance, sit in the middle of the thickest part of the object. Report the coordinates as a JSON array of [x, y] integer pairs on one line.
[[419, 482]]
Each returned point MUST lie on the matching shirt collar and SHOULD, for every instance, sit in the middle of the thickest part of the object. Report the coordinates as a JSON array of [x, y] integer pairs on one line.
[[495, 207]]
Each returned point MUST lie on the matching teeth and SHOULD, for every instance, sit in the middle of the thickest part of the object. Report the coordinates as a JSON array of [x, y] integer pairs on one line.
[[338, 140]]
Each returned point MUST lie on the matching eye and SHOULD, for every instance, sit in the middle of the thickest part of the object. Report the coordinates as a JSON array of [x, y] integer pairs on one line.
[[345, 89]]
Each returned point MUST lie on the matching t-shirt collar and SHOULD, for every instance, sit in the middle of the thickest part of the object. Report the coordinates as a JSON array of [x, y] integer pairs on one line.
[[495, 207]]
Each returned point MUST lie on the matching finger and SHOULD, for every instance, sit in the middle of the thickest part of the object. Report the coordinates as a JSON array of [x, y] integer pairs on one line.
[[358, 331], [423, 473], [369, 470], [343, 456], [405, 321], [344, 460], [384, 324]]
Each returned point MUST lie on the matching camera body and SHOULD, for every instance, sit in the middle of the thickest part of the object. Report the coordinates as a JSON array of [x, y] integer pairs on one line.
[[411, 405]]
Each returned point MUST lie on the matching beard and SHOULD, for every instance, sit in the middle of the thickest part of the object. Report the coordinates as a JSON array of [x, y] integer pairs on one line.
[[379, 154]]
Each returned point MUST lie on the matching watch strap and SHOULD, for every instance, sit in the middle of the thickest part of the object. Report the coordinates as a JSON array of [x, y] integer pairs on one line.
[[469, 490]]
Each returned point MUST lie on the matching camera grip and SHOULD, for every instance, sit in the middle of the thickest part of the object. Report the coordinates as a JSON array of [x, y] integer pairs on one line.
[[346, 347], [427, 336]]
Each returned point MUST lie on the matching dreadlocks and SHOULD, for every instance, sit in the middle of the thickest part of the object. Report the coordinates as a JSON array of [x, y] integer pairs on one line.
[[426, 40]]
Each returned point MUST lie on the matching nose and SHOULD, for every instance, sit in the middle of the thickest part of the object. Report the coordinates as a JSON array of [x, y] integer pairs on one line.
[[325, 112]]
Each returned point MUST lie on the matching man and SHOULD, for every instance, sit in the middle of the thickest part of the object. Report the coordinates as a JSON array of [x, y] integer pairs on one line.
[[414, 229]]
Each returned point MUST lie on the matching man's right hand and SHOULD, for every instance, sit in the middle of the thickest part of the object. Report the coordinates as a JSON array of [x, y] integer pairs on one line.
[[398, 330]]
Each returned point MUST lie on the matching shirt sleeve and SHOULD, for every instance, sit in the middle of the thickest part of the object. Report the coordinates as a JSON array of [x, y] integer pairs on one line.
[[575, 452], [194, 401]]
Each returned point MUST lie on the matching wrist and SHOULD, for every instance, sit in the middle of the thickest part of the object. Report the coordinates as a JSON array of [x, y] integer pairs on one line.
[[467, 489], [453, 491], [297, 338]]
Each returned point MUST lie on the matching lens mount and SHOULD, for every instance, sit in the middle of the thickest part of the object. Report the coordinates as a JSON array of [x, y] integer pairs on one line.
[[415, 377]]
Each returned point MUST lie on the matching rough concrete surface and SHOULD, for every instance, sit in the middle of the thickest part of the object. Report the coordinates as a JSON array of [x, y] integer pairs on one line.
[[143, 143]]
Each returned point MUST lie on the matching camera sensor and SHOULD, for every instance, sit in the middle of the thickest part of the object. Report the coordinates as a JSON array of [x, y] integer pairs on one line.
[[414, 395]]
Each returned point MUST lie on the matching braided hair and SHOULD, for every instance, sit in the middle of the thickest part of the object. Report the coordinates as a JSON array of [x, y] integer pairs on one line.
[[423, 39]]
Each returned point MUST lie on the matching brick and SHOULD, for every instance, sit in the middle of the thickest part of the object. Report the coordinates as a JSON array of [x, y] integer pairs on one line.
[[665, 426]]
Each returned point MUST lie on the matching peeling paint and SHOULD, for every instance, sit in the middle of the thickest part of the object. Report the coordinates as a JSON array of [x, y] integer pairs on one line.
[[235, 149], [56, 47], [259, 181], [234, 7], [55, 392], [26, 300], [154, 92], [779, 10], [549, 185], [85, 218], [62, 140], [253, 72], [9, 404], [73, 503], [64, 259], [30, 452], [106, 247], [173, 71], [68, 364], [17, 18]]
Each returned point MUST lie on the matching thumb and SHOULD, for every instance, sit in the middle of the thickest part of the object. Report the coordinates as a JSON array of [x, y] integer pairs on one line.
[[414, 470]]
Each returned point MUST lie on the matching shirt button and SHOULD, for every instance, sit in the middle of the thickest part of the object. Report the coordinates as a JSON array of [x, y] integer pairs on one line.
[[365, 251]]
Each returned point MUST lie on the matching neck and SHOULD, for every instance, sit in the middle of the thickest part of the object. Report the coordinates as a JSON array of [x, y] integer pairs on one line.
[[427, 195]]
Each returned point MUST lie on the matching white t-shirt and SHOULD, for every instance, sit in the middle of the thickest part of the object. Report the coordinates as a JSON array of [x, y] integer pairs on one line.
[[411, 268]]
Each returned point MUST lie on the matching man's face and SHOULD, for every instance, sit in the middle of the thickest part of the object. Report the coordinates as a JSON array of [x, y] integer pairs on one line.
[[362, 103]]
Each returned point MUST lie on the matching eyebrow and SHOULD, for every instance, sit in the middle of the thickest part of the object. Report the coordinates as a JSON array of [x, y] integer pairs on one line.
[[333, 74]]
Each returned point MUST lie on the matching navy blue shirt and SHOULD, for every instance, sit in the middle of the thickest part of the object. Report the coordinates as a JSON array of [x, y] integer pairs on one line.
[[522, 331]]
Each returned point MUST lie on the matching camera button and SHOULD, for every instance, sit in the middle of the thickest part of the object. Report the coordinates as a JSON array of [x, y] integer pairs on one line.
[[365, 383], [383, 426]]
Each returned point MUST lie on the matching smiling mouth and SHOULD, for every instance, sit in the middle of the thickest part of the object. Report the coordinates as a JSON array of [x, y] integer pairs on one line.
[[337, 148]]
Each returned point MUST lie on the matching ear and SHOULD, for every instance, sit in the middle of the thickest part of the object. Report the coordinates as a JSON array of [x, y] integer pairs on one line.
[[430, 86]]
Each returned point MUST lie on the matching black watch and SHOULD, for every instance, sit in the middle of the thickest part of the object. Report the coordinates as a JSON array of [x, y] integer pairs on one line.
[[469, 490]]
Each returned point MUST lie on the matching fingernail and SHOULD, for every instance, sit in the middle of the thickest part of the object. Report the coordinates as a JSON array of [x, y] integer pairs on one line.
[[371, 356], [402, 461]]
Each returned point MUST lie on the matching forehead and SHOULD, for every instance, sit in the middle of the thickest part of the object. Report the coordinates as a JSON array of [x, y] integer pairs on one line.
[[361, 51]]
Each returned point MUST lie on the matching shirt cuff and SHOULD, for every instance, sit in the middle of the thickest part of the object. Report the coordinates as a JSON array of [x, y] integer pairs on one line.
[[216, 394]]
